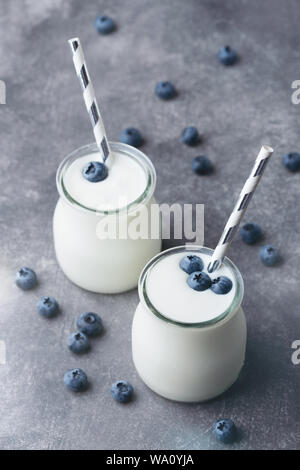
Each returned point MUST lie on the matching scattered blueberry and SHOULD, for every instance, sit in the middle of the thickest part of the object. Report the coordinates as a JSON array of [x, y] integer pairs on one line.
[[221, 285], [26, 278], [190, 136], [227, 56], [250, 233], [165, 90], [94, 172], [202, 165], [89, 323], [121, 391], [291, 161], [77, 342], [76, 380], [199, 281], [224, 430], [131, 136], [191, 263], [104, 24], [47, 306], [268, 255]]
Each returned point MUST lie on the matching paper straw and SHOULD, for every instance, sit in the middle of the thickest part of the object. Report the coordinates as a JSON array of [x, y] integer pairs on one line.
[[89, 97], [240, 208]]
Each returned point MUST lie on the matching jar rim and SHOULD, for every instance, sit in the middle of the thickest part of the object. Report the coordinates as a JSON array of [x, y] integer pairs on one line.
[[145, 300], [125, 149]]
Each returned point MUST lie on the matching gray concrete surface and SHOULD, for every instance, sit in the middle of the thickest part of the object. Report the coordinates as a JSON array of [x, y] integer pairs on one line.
[[236, 110]]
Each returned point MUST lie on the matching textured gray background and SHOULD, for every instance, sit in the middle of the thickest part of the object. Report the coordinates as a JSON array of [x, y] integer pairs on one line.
[[236, 110]]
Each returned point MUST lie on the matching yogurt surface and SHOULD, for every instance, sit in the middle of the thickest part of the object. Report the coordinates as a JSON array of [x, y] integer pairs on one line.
[[126, 181], [169, 293]]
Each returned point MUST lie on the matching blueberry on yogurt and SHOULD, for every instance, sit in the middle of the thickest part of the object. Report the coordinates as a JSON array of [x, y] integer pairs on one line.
[[165, 90], [191, 263], [221, 285], [26, 278], [250, 233], [131, 136], [47, 306], [199, 281], [95, 172], [201, 165], [291, 161], [190, 136], [76, 380], [225, 430], [89, 323], [104, 24], [269, 255], [227, 56], [121, 391], [78, 342]]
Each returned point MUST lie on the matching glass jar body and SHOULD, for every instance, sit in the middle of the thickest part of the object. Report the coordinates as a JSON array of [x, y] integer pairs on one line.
[[104, 264]]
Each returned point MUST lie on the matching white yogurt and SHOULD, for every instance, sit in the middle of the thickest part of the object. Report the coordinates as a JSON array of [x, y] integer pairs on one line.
[[187, 345], [125, 183], [106, 265], [169, 292]]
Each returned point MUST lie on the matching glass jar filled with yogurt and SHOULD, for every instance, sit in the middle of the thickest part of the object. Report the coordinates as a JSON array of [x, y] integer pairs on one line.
[[189, 329], [91, 249]]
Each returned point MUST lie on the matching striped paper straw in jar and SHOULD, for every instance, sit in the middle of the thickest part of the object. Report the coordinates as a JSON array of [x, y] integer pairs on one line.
[[240, 208], [89, 98]]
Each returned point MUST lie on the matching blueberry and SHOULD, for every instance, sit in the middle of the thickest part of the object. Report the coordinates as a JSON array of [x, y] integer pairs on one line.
[[131, 136], [104, 24], [26, 278], [76, 380], [190, 136], [199, 280], [291, 161], [94, 172], [77, 342], [47, 306], [227, 56], [268, 255], [202, 165], [121, 391], [224, 430], [89, 323], [191, 263], [250, 233], [165, 90], [221, 285]]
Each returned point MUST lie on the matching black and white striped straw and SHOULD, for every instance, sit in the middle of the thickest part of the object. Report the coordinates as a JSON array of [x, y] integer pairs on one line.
[[240, 208], [89, 97]]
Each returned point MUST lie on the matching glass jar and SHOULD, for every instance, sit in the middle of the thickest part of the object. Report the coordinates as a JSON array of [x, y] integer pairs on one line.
[[188, 362], [93, 262]]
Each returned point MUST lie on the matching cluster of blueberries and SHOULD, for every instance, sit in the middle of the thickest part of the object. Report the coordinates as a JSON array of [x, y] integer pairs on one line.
[[252, 233], [165, 90], [199, 280], [88, 324]]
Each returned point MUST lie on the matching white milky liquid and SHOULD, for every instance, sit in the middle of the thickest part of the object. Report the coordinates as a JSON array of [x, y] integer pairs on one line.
[[87, 257], [190, 362], [126, 181], [170, 294]]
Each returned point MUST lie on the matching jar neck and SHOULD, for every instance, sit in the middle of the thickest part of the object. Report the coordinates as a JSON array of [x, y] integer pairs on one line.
[[127, 151], [146, 301]]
